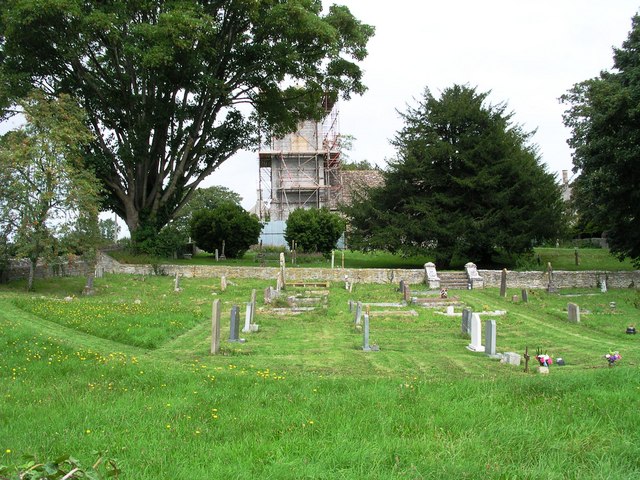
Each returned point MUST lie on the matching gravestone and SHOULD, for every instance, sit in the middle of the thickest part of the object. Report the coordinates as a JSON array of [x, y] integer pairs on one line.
[[217, 258], [176, 283], [282, 261], [511, 358], [573, 311], [365, 334], [253, 305], [358, 314], [450, 310], [475, 280], [247, 319], [603, 285], [222, 257], [503, 283], [333, 259], [234, 325], [215, 327], [525, 296], [551, 287], [350, 306], [223, 283], [280, 281], [490, 337], [466, 321], [433, 281], [346, 282], [515, 298], [476, 334], [407, 293], [401, 288], [99, 271], [267, 295]]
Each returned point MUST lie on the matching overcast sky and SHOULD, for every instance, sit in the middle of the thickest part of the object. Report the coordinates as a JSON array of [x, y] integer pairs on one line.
[[526, 53]]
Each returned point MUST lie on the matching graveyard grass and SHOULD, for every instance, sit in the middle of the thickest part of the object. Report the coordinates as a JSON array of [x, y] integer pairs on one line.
[[127, 372]]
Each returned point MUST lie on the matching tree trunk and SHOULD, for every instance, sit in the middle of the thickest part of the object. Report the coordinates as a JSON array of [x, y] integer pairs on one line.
[[32, 273]]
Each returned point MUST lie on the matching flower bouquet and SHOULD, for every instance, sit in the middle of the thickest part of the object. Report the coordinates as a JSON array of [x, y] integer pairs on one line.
[[544, 359], [612, 358]]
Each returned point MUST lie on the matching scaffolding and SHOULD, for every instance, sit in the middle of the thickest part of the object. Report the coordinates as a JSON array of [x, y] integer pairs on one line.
[[302, 169]]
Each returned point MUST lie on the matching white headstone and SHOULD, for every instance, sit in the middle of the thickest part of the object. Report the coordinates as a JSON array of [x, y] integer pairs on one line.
[[476, 334], [223, 283], [603, 286], [247, 319], [450, 310]]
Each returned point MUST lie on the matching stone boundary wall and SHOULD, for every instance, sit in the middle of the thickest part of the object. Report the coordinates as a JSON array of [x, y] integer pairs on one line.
[[563, 279], [19, 269]]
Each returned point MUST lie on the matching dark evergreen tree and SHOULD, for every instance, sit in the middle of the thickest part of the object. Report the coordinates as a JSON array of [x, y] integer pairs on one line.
[[314, 230], [466, 185], [227, 222], [604, 115]]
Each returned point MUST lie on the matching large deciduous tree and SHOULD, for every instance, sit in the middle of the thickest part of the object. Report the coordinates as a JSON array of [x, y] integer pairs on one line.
[[604, 116], [163, 82], [466, 184], [44, 184]]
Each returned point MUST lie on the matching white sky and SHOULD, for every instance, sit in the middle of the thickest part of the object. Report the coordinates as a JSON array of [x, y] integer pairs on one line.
[[526, 53]]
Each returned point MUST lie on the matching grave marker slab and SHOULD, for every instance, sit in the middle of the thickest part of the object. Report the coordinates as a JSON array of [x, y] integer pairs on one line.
[[503, 283], [573, 312], [490, 337], [511, 358], [476, 334], [215, 327], [234, 325], [358, 315], [525, 296], [466, 321], [223, 283]]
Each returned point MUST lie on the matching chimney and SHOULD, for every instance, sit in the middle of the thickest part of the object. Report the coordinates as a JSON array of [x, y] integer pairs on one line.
[[565, 177]]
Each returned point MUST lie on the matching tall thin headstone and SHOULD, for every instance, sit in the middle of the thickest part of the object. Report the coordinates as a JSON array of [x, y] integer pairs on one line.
[[217, 257], [215, 327], [234, 325], [407, 293], [333, 259], [401, 287], [476, 334], [465, 326], [525, 296], [350, 306], [267, 295], [223, 283], [253, 305], [358, 315], [603, 286], [490, 337], [342, 259], [247, 319], [365, 334], [573, 311], [222, 257], [280, 281], [176, 283], [503, 283], [551, 288]]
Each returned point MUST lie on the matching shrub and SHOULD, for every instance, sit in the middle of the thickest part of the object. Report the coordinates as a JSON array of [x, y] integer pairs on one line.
[[314, 230], [229, 223]]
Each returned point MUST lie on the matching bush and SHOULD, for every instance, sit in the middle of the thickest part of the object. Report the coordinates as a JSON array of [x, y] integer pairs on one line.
[[229, 223], [314, 230]]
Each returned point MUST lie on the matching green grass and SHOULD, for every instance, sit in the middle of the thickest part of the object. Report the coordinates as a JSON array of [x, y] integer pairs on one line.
[[589, 259], [301, 399]]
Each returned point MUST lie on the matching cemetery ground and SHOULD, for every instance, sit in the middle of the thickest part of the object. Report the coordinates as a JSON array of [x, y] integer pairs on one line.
[[128, 373]]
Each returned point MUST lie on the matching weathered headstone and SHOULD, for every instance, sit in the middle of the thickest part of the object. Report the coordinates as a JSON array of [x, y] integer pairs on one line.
[[223, 283], [282, 260], [515, 298], [431, 275], [511, 358], [343, 259], [358, 315], [450, 310], [365, 334], [333, 259], [176, 283], [474, 278], [234, 325], [222, 257], [267, 295], [346, 282], [253, 305], [99, 271], [525, 296], [476, 334], [573, 311], [350, 306], [215, 327], [280, 281], [466, 321], [490, 337], [217, 257], [247, 319], [551, 288], [407, 293], [401, 287], [503, 283], [603, 285]]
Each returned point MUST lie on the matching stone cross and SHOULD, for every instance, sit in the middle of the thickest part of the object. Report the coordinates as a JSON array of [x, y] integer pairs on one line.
[[476, 327], [503, 283], [215, 327], [223, 283], [466, 321], [490, 337], [573, 311]]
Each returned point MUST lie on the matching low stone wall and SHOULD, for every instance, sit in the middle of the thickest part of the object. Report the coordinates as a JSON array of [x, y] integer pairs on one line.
[[562, 279], [63, 267]]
